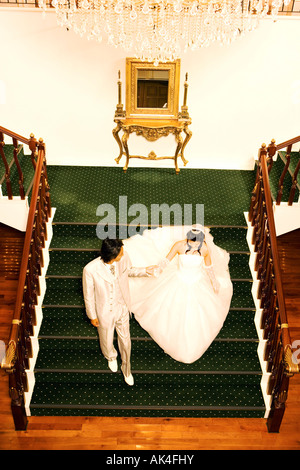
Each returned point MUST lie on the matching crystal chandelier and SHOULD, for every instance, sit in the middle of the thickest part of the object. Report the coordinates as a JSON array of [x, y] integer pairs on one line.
[[161, 30]]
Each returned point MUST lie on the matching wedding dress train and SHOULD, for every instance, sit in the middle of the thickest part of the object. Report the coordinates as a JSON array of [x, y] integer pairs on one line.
[[179, 309]]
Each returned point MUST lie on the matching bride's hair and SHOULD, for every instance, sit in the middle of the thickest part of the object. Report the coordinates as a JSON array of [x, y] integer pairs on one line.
[[195, 235]]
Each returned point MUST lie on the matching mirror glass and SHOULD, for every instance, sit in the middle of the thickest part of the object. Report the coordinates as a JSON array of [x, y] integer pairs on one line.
[[152, 92], [152, 88]]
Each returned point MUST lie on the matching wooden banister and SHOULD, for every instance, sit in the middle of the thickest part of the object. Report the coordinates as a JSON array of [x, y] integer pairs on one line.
[[13, 135], [273, 241], [19, 350], [271, 150], [6, 166], [274, 322], [283, 145], [26, 248], [16, 138]]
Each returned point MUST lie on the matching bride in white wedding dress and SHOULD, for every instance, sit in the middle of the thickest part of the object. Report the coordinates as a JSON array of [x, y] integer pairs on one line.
[[184, 306]]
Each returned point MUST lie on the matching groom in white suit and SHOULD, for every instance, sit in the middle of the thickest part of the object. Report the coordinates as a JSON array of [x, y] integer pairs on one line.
[[107, 301]]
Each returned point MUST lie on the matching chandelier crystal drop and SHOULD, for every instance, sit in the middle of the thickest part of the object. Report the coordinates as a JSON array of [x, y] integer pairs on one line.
[[161, 30]]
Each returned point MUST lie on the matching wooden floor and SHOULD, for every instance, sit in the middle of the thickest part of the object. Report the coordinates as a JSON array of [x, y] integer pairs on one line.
[[155, 433]]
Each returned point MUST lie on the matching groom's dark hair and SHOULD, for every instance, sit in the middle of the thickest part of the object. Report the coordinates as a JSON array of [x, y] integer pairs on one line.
[[110, 249]]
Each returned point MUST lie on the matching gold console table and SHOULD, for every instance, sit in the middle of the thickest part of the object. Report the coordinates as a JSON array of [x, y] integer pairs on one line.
[[164, 120], [152, 130]]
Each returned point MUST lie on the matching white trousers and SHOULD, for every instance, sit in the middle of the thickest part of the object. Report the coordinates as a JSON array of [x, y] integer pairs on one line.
[[106, 339]]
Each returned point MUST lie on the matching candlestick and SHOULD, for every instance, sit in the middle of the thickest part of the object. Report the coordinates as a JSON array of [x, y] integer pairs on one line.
[[119, 110], [184, 114], [185, 89]]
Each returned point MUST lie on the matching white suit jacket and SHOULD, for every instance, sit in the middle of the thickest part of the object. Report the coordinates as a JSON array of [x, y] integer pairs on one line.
[[97, 283]]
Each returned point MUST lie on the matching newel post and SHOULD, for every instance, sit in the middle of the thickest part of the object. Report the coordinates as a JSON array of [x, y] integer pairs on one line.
[[17, 378]]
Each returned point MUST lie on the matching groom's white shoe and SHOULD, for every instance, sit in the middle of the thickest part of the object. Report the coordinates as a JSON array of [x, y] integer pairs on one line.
[[129, 380], [113, 365]]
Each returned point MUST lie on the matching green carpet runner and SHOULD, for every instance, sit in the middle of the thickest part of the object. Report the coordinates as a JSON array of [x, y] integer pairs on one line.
[[72, 377]]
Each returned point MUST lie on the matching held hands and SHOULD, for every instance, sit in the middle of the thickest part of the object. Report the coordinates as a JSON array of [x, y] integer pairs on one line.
[[158, 269], [152, 270]]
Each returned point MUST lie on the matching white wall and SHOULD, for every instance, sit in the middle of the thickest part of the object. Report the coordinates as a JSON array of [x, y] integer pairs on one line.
[[64, 88]]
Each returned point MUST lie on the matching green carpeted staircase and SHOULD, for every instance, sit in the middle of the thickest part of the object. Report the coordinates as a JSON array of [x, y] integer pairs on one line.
[[72, 377]]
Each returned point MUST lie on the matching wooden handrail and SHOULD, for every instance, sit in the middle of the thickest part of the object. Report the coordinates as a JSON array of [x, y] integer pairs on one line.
[[19, 348], [26, 251], [274, 322], [31, 142], [13, 135], [283, 145]]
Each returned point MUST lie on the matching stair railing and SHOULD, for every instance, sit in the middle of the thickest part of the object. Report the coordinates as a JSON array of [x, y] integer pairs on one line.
[[32, 144], [288, 145], [19, 347], [278, 354]]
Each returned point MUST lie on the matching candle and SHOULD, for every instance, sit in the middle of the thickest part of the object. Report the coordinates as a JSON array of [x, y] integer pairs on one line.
[[119, 89]]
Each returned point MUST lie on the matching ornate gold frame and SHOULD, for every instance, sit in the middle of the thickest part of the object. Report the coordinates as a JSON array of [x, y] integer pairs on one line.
[[171, 112]]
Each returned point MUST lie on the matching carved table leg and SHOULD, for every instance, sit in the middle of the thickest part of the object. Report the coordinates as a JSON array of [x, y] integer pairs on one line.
[[188, 135], [116, 136], [125, 137], [178, 150]]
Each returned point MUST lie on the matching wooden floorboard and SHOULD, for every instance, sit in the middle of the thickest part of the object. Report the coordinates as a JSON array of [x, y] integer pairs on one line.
[[68, 433]]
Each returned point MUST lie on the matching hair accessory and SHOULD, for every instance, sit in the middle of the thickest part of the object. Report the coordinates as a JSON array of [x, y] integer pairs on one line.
[[197, 229]]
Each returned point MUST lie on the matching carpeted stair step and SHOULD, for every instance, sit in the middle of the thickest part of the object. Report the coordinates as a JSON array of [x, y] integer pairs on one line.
[[71, 263], [83, 237], [75, 380], [73, 322], [78, 191], [161, 394], [225, 380], [68, 292], [84, 354]]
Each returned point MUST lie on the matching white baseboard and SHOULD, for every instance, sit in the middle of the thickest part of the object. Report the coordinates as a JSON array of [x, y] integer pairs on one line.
[[286, 218], [14, 212], [257, 321], [39, 317]]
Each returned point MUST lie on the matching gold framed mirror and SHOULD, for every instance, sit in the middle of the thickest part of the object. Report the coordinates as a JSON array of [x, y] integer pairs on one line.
[[152, 92]]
